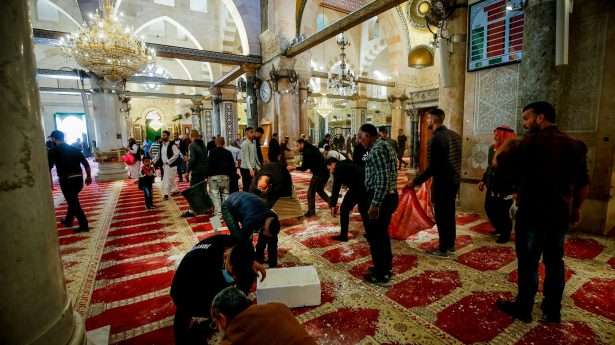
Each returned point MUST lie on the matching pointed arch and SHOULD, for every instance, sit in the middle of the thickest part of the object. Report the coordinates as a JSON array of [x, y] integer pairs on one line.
[[61, 10]]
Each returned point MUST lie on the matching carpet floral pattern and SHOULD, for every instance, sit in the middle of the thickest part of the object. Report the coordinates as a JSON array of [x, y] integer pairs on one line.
[[119, 275]]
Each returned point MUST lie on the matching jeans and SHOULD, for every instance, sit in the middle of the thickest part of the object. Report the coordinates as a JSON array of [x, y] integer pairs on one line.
[[317, 185], [351, 199], [377, 233], [443, 197], [246, 179], [218, 191], [271, 243], [70, 188], [148, 196], [181, 167], [498, 212], [531, 242]]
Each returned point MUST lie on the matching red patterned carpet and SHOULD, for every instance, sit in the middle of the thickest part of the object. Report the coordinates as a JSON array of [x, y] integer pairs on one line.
[[120, 272]]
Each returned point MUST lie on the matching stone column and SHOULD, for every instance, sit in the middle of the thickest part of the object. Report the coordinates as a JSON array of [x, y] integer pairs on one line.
[[196, 117], [452, 95], [206, 120], [398, 116], [538, 77], [34, 305], [359, 114], [228, 116], [304, 108], [216, 103], [251, 99], [111, 130]]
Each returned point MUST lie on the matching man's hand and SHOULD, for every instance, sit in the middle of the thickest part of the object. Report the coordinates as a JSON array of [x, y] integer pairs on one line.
[[259, 268], [251, 172], [373, 212], [334, 211], [481, 186], [88, 180], [575, 217]]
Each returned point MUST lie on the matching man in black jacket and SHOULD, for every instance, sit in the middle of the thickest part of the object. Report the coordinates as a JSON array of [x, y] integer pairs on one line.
[[221, 170], [445, 168], [68, 161], [274, 149], [349, 174], [315, 162], [210, 266], [258, 134], [197, 163], [272, 182]]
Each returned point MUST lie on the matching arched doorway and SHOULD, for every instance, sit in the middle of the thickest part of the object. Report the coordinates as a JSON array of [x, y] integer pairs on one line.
[[153, 125]]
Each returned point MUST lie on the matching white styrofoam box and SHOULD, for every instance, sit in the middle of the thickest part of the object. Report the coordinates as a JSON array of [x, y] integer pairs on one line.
[[293, 286]]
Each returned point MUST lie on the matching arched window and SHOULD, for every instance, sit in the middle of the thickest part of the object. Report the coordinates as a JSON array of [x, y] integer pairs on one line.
[[321, 22]]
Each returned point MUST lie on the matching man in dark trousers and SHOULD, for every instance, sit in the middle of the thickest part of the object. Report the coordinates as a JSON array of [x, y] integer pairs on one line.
[[381, 202], [258, 134], [445, 167], [68, 161], [221, 170], [315, 162], [272, 182], [550, 170], [349, 174], [210, 266], [197, 163], [274, 149], [251, 212]]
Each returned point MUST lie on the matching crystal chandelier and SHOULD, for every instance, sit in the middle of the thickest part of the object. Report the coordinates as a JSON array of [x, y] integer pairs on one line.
[[106, 48], [344, 83], [154, 71], [324, 107]]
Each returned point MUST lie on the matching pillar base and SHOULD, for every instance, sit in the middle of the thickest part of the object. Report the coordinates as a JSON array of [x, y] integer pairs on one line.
[[111, 171]]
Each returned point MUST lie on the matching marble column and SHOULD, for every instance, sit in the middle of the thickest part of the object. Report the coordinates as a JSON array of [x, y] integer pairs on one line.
[[304, 108], [287, 111], [206, 120], [216, 113], [196, 117], [228, 116], [452, 94], [538, 76], [111, 130], [398, 117], [34, 305], [251, 99], [359, 114]]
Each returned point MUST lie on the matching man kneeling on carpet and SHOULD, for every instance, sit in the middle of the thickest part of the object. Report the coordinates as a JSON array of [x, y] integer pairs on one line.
[[210, 266], [246, 324], [251, 212]]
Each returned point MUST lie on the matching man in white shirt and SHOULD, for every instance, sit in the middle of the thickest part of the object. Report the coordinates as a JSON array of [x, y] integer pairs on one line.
[[169, 155], [249, 160]]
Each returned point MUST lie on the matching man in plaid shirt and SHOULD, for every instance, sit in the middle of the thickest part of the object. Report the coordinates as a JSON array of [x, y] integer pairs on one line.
[[381, 186]]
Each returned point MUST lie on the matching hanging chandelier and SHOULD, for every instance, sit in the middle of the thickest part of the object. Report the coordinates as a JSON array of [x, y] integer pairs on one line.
[[324, 107], [343, 83], [106, 48]]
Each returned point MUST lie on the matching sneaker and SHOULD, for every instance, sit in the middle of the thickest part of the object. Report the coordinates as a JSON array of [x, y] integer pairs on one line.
[[383, 280], [512, 309], [439, 253], [340, 238]]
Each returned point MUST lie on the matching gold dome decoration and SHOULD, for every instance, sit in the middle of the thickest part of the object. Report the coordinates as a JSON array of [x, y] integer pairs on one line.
[[416, 11], [420, 57]]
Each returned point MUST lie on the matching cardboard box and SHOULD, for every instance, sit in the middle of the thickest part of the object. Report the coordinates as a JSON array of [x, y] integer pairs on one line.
[[293, 286]]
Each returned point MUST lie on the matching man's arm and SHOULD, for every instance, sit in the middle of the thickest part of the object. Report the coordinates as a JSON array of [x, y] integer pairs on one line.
[[432, 165], [335, 191], [175, 154], [380, 182], [86, 166]]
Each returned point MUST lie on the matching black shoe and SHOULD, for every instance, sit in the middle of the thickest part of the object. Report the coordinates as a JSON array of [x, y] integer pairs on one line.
[[551, 318], [188, 214], [502, 239], [440, 254], [340, 238], [66, 223], [378, 279], [512, 308], [166, 197], [309, 214], [80, 229]]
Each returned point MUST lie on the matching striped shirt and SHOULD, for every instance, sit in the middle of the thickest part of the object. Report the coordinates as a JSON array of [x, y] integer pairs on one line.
[[154, 149], [380, 171]]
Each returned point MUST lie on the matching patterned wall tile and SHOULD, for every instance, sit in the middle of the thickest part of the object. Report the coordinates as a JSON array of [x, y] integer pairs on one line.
[[496, 92]]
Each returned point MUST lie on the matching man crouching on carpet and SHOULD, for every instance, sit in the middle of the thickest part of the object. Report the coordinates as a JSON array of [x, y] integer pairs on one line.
[[251, 212], [210, 266]]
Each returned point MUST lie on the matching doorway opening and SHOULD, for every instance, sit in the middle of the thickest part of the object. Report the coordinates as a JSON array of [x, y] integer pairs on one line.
[[73, 125]]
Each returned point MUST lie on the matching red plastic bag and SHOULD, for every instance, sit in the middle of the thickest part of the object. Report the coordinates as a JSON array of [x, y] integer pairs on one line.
[[129, 159], [414, 213]]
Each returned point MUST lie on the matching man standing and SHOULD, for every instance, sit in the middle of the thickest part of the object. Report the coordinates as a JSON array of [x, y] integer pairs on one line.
[[68, 161], [249, 159], [197, 163], [315, 162], [274, 149], [221, 170], [349, 174], [381, 202], [401, 147], [550, 169], [384, 135], [168, 156], [257, 141], [445, 168]]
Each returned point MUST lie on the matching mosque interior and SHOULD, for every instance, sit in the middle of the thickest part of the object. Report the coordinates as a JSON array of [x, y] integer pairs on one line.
[[302, 69]]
